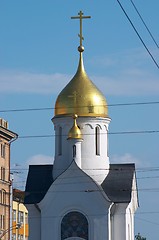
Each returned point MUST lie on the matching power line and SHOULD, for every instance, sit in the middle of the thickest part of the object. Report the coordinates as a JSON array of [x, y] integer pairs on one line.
[[52, 108], [135, 132], [153, 59], [144, 23], [110, 133], [132, 104], [121, 179], [145, 220], [91, 190], [139, 169], [95, 214], [26, 109], [83, 180]]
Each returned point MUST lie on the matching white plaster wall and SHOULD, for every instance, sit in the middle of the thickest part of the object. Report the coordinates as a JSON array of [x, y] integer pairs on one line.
[[118, 221], [129, 223], [94, 165], [61, 162], [77, 158], [134, 195], [122, 217], [75, 191], [130, 211], [34, 220]]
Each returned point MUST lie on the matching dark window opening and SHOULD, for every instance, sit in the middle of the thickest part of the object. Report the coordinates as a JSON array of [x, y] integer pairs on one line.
[[74, 151], [60, 141], [74, 224], [97, 140]]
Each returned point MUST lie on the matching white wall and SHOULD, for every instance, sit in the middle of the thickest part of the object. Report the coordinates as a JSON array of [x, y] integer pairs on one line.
[[75, 191], [122, 217], [118, 221], [94, 165], [34, 220]]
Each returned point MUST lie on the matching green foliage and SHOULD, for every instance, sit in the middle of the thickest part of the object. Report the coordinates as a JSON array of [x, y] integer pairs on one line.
[[139, 237]]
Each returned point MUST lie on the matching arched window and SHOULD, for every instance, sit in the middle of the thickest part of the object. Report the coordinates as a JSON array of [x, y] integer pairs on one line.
[[2, 173], [74, 225], [60, 141], [97, 140], [3, 196], [74, 151], [3, 150]]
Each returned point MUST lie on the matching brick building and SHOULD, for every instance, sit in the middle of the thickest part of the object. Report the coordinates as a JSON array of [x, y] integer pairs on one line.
[[6, 137]]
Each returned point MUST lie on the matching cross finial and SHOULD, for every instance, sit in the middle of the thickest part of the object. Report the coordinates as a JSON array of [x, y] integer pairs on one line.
[[80, 17]]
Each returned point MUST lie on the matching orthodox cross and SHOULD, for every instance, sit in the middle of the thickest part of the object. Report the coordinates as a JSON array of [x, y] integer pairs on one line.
[[80, 17], [74, 96]]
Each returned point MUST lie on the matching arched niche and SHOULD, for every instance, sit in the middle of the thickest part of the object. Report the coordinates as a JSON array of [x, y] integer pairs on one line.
[[74, 226]]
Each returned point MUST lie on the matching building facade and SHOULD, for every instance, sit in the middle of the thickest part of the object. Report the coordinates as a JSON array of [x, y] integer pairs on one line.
[[6, 137], [20, 227], [82, 196]]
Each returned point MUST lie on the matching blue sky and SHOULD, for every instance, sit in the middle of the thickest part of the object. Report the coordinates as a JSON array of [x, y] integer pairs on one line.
[[38, 56]]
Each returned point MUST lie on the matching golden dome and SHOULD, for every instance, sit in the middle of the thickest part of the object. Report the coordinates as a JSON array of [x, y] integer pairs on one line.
[[81, 97], [75, 132]]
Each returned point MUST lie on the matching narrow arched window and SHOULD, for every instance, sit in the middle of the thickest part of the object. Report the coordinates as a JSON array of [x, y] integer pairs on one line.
[[2, 173], [74, 225], [74, 151], [97, 140], [3, 150], [60, 141], [3, 196]]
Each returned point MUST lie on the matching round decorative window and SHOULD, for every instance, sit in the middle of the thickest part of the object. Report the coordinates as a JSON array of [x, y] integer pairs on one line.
[[74, 226]]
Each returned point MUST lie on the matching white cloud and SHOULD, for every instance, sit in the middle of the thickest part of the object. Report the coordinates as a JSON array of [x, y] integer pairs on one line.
[[129, 85], [129, 82], [124, 73], [126, 158], [127, 73], [20, 172], [25, 82], [127, 58], [39, 160]]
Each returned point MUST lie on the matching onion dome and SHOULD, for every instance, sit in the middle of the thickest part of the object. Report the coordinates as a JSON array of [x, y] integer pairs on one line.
[[75, 132], [81, 96]]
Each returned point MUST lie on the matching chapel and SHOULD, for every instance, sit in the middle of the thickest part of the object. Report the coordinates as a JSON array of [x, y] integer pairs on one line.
[[81, 196]]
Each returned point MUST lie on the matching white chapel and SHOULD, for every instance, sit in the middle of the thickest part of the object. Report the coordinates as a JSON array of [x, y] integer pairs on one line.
[[81, 196]]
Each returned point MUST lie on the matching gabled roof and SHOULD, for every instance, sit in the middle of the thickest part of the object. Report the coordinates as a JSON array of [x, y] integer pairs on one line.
[[118, 183], [38, 182]]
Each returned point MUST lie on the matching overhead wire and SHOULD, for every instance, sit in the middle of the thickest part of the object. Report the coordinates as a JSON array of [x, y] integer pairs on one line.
[[110, 133], [95, 214], [137, 178], [53, 108], [142, 41], [138, 169], [145, 220], [37, 109], [83, 181], [109, 105], [151, 35], [93, 134], [91, 190]]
